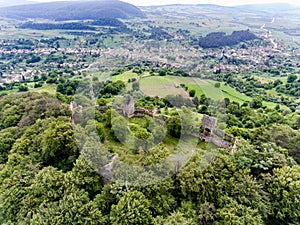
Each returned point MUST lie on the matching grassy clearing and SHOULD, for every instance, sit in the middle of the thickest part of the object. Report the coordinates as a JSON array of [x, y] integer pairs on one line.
[[165, 85], [266, 80], [233, 95], [125, 76], [236, 96], [187, 80], [157, 80], [201, 87], [102, 76], [49, 88], [272, 105], [210, 90], [15, 33], [160, 86], [112, 42]]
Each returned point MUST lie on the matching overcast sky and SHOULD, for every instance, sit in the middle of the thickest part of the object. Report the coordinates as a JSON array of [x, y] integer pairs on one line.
[[165, 2], [218, 2]]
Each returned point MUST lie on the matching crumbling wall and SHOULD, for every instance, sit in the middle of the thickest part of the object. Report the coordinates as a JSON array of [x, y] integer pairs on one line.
[[209, 123], [216, 136], [128, 107]]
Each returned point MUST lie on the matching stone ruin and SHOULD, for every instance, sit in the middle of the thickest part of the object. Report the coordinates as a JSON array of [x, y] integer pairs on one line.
[[209, 124], [211, 133], [128, 107]]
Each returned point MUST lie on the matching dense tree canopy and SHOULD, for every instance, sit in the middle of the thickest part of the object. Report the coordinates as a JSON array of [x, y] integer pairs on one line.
[[47, 177]]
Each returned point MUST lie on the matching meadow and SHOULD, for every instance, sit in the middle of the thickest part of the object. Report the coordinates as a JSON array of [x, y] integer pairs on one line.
[[162, 86]]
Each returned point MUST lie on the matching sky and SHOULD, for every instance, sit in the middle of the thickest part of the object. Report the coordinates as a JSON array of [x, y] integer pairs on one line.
[[165, 2], [217, 2]]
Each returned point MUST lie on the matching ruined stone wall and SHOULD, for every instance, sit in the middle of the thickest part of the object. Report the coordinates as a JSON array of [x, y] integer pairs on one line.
[[216, 136], [209, 122], [222, 134], [220, 142], [128, 107]]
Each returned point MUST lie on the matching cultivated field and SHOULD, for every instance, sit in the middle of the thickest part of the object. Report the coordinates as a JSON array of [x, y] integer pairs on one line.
[[160, 86], [125, 76]]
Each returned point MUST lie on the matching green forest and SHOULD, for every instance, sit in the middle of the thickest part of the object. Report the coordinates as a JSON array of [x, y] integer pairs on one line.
[[47, 179]]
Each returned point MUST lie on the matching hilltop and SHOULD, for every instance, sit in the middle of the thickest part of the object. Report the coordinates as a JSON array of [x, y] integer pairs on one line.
[[79, 10]]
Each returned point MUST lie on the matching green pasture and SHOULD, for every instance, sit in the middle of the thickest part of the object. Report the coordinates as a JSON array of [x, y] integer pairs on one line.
[[125, 76], [234, 95], [160, 86], [49, 88]]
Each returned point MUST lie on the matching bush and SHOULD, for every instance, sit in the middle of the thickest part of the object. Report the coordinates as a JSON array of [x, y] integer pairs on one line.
[[217, 85], [23, 88], [192, 93]]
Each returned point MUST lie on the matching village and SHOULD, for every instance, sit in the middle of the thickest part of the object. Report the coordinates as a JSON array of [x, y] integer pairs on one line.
[[265, 54]]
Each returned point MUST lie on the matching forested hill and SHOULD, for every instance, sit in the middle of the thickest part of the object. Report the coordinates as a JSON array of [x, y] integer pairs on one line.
[[48, 177], [220, 39], [81, 10]]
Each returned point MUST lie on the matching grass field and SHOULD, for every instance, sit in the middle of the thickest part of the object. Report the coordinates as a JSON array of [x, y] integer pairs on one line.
[[233, 95], [160, 86], [265, 80], [15, 33], [125, 76], [50, 88], [200, 86]]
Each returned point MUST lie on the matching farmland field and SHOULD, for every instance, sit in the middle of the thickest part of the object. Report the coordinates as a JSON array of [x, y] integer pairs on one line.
[[160, 86], [207, 87], [125, 76], [233, 95]]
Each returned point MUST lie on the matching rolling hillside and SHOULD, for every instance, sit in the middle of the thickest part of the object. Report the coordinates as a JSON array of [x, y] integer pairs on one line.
[[79, 10]]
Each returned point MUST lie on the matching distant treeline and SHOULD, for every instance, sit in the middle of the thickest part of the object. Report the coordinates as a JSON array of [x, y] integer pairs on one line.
[[56, 26], [107, 22], [74, 25], [220, 39]]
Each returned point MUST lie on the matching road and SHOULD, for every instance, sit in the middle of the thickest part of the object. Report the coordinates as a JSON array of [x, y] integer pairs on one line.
[[269, 34]]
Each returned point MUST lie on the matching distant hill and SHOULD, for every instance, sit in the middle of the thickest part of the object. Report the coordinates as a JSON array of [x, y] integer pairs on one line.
[[271, 7], [220, 39], [78, 10]]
